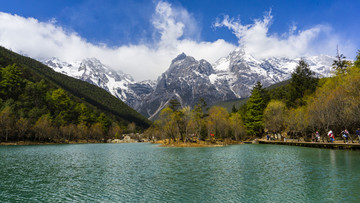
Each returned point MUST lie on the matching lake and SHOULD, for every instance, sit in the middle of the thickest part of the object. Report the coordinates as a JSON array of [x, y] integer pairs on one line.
[[142, 172]]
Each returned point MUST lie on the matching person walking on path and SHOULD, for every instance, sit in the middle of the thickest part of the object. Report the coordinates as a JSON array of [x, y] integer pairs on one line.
[[357, 132], [317, 136], [331, 136], [345, 135]]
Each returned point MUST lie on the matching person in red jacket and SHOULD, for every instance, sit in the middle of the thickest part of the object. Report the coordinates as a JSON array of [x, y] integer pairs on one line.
[[331, 136]]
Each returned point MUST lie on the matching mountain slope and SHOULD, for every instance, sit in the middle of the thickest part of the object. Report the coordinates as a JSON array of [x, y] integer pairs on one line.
[[94, 72], [241, 71], [186, 80], [84, 91]]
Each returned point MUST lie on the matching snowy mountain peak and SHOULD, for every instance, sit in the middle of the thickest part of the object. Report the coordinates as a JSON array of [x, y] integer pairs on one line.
[[93, 71], [188, 79], [180, 57]]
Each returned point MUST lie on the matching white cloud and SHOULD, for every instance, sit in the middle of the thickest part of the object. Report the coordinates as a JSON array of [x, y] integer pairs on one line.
[[255, 38], [175, 32]]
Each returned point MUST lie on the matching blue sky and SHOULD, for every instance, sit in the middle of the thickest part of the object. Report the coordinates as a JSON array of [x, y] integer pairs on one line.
[[118, 32]]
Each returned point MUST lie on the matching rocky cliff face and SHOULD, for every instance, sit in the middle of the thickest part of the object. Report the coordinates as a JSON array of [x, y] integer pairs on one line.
[[187, 80]]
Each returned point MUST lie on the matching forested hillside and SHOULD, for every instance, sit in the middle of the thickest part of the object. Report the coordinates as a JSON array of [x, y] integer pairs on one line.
[[38, 103]]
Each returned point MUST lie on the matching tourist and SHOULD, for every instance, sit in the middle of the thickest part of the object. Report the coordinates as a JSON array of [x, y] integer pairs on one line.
[[268, 137], [317, 136], [345, 135], [331, 136], [357, 132]]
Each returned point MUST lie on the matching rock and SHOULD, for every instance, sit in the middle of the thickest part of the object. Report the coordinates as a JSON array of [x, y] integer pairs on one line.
[[117, 141]]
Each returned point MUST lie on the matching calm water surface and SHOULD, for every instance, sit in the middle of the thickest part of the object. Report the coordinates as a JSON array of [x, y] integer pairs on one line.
[[148, 173]]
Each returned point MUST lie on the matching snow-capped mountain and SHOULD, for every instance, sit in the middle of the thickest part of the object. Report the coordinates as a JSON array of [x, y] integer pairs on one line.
[[188, 79], [93, 71], [240, 71]]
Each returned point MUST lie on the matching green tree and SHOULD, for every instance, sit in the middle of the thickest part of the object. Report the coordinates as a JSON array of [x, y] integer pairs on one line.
[[357, 60], [302, 83], [60, 100], [340, 63], [11, 82], [254, 112], [197, 117], [85, 115], [105, 121], [179, 117], [233, 109]]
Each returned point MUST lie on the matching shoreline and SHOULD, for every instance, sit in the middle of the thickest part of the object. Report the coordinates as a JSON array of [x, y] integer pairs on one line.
[[26, 143], [202, 144], [180, 144]]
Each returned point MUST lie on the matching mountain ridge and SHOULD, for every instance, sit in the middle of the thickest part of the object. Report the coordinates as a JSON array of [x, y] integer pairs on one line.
[[83, 90], [188, 79]]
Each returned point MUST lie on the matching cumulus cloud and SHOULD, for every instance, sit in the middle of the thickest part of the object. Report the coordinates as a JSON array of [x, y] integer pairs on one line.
[[256, 40], [176, 31]]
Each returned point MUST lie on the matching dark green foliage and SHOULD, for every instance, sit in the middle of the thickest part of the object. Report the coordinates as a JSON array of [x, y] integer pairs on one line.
[[255, 110], [11, 82], [201, 108], [39, 104], [35, 71], [357, 60], [174, 104], [302, 83], [340, 64], [233, 109]]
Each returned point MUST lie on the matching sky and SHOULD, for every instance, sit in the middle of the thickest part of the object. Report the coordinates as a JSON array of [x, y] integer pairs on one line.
[[141, 37]]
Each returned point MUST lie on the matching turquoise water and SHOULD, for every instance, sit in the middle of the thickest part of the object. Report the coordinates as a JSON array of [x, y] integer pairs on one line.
[[148, 173]]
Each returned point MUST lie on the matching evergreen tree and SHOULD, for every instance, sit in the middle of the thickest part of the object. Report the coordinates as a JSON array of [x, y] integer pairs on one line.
[[357, 61], [198, 114], [233, 109], [255, 111], [302, 82], [340, 64], [11, 82]]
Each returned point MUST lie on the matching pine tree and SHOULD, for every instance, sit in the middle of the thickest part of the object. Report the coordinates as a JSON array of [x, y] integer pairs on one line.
[[233, 109], [255, 111], [340, 64], [357, 61], [302, 82]]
